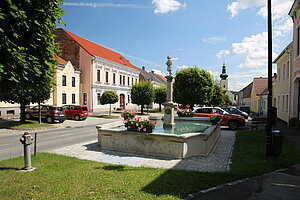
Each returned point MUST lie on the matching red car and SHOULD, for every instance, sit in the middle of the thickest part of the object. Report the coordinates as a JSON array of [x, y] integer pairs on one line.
[[76, 112]]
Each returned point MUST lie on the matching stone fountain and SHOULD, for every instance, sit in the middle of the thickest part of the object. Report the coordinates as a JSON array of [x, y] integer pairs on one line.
[[169, 104]]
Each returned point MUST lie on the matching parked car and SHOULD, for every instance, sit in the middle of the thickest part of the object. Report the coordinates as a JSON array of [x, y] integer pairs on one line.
[[48, 113], [245, 109], [76, 112], [231, 120], [233, 110]]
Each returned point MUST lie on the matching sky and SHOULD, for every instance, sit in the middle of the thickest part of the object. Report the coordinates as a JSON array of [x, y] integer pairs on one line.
[[193, 32]]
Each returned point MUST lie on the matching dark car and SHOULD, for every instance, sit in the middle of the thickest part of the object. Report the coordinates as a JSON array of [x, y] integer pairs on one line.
[[233, 110], [76, 112], [48, 113]]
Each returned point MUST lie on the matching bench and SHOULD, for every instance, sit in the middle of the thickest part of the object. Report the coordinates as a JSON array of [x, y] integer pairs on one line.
[[258, 122]]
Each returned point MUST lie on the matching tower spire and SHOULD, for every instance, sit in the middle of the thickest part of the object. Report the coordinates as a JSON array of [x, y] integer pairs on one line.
[[224, 75]]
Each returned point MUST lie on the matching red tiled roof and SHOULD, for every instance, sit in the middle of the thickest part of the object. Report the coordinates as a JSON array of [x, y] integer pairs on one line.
[[162, 77], [260, 84], [100, 51], [60, 60]]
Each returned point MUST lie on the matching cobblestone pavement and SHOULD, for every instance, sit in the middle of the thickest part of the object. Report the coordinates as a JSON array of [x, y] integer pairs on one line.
[[217, 161]]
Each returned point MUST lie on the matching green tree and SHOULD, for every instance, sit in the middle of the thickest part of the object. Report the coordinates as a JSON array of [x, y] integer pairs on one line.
[[226, 100], [160, 95], [142, 93], [217, 96], [193, 86], [109, 97], [27, 48]]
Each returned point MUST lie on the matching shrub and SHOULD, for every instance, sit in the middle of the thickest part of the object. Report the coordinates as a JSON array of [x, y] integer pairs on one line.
[[126, 114], [139, 124]]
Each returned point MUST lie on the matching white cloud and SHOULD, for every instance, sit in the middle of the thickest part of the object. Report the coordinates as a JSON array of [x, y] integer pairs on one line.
[[166, 6], [215, 39], [180, 67], [95, 5], [254, 48], [174, 59]]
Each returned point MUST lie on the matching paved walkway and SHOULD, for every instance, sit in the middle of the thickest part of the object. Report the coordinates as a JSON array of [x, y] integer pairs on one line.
[[217, 161]]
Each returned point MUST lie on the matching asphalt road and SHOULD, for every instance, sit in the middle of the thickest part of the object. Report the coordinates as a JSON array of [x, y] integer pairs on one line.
[[48, 140]]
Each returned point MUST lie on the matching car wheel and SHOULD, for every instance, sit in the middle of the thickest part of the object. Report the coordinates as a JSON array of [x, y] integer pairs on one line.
[[233, 125], [77, 117], [49, 119], [27, 116]]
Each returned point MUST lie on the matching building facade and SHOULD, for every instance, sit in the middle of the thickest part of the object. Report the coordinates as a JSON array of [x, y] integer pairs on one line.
[[282, 84], [295, 64], [102, 70]]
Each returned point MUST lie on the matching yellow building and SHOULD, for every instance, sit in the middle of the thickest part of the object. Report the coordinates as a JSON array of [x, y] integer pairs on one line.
[[282, 84], [258, 88], [67, 87]]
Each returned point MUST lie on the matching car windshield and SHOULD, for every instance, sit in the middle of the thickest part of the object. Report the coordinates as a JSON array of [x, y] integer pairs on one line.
[[58, 108], [84, 108]]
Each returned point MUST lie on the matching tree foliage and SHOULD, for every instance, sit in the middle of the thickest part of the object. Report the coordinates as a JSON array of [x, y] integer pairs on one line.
[[109, 97], [217, 96], [142, 93], [27, 48], [160, 95], [193, 86]]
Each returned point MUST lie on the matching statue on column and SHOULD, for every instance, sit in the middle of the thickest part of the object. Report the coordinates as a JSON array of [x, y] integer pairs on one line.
[[169, 65]]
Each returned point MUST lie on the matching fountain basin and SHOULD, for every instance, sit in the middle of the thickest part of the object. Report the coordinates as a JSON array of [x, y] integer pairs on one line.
[[157, 144]]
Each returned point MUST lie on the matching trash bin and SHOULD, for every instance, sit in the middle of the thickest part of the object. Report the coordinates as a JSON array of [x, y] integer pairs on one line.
[[277, 138]]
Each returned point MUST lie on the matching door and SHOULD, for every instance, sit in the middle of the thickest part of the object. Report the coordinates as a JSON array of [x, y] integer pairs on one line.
[[122, 101]]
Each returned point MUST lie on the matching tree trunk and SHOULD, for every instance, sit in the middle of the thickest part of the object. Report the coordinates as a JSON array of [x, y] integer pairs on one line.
[[142, 109], [109, 109], [40, 114], [22, 112], [159, 107]]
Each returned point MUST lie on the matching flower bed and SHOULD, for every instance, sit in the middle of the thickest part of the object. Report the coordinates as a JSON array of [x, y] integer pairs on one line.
[[128, 114], [214, 119], [139, 124], [185, 113]]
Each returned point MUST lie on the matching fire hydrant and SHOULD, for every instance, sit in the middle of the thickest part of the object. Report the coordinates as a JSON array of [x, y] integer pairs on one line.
[[26, 140]]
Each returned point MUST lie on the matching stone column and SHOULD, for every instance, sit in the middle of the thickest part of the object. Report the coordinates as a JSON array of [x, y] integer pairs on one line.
[[169, 105]]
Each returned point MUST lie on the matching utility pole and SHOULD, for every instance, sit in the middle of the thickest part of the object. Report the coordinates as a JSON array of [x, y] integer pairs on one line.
[[269, 148]]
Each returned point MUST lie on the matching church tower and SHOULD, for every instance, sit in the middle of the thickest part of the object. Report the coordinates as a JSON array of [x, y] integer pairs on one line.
[[224, 81]]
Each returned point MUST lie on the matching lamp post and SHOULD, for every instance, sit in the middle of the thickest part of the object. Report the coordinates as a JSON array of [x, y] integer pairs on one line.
[[269, 110]]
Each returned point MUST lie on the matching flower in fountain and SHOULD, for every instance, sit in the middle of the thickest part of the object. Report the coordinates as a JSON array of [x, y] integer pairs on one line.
[[185, 113], [126, 114], [139, 124]]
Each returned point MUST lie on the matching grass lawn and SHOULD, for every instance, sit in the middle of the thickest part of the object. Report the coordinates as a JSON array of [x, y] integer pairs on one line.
[[19, 125], [61, 177], [109, 116]]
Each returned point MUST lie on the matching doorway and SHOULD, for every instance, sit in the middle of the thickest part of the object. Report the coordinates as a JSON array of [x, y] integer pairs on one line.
[[122, 101]]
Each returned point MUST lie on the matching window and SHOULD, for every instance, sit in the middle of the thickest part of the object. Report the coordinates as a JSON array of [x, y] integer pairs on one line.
[[278, 106], [73, 99], [120, 79], [73, 82], [64, 98], [283, 102], [98, 75], [298, 41], [286, 107], [84, 98], [114, 78], [123, 80], [106, 75], [128, 80], [99, 98], [287, 69], [64, 80], [132, 81], [278, 75], [283, 72]]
